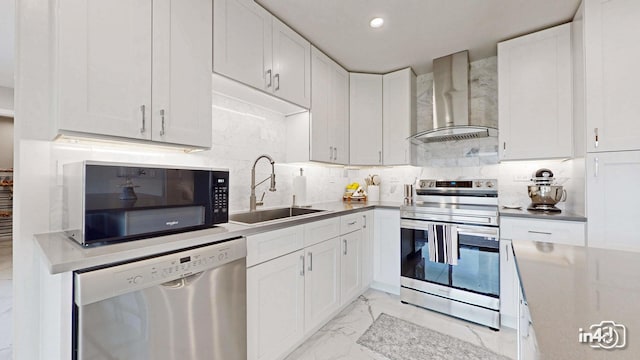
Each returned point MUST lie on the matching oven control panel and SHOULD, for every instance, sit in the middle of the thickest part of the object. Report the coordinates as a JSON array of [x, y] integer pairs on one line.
[[472, 184]]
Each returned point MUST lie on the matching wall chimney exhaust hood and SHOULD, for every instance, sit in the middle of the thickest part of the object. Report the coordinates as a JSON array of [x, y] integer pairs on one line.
[[451, 102]]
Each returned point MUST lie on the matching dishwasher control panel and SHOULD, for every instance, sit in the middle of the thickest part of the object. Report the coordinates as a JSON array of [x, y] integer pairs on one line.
[[108, 282]]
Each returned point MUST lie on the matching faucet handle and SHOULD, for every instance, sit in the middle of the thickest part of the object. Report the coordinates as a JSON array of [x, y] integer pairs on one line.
[[261, 202]]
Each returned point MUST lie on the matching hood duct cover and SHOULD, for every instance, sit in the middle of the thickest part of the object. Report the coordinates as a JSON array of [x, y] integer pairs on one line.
[[451, 102]]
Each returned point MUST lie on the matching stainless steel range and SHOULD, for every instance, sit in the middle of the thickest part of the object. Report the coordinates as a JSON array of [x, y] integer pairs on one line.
[[450, 249]]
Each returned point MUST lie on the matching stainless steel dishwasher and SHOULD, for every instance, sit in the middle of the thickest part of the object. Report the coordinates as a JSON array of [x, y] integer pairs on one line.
[[185, 305]]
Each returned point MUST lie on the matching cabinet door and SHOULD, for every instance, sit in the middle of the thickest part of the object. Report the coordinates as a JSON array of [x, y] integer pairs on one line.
[[339, 120], [321, 148], [399, 110], [365, 119], [291, 65], [242, 40], [367, 249], [322, 283], [611, 75], [612, 193], [104, 67], [534, 95], [182, 50], [386, 251], [275, 306], [508, 286], [351, 266]]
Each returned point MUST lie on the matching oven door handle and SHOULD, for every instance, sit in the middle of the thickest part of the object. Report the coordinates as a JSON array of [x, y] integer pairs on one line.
[[478, 230], [461, 229]]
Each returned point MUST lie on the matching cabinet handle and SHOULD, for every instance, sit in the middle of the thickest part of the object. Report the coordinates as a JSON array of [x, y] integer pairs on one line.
[[268, 77], [302, 269], [379, 156], [277, 79], [596, 167], [595, 130], [162, 116], [310, 268], [330, 152], [506, 250], [364, 219], [345, 246], [539, 232], [352, 222], [335, 153], [144, 119], [504, 148]]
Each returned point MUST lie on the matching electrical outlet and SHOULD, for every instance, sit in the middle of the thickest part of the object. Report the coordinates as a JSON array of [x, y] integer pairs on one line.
[[521, 178]]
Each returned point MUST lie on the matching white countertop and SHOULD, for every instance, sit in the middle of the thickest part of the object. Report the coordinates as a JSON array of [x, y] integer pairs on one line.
[[572, 287], [62, 254], [524, 213]]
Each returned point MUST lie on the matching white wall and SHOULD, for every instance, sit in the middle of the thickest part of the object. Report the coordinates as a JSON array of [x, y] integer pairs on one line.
[[6, 101]]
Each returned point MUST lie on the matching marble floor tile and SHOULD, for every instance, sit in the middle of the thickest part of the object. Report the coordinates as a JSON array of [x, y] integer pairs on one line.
[[337, 339]]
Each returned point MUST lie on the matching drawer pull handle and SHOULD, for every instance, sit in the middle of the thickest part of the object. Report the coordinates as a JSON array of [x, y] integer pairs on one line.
[[540, 232], [352, 222]]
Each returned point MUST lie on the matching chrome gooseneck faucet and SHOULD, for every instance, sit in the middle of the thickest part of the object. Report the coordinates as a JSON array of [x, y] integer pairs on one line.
[[252, 199]]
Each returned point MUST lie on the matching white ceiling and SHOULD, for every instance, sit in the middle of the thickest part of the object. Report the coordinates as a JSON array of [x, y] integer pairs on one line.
[[7, 24], [415, 31]]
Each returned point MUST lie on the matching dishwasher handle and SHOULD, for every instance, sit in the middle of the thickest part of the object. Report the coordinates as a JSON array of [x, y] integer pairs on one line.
[[174, 269]]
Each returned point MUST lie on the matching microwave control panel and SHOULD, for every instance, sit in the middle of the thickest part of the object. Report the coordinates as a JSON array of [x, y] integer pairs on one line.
[[220, 197]]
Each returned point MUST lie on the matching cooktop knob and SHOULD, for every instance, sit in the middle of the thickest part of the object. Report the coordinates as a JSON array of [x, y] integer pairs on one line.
[[423, 184], [478, 184], [490, 184]]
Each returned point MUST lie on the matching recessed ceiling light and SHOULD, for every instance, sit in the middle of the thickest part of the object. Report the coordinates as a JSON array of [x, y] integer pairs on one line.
[[376, 22]]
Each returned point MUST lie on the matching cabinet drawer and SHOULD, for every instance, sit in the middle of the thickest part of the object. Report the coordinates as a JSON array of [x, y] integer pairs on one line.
[[553, 231], [349, 223], [320, 231], [272, 244]]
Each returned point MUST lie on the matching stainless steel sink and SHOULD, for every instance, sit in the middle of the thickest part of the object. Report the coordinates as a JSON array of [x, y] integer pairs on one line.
[[253, 217]]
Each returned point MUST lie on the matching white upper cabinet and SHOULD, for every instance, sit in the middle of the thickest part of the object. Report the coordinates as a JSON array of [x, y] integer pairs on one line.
[[365, 119], [399, 112], [242, 42], [253, 47], [104, 67], [611, 29], [612, 195], [329, 110], [535, 95], [181, 100], [291, 65], [112, 56]]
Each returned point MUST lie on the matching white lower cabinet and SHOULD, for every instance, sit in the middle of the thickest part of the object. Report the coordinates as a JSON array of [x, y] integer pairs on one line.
[[552, 231], [301, 276], [321, 283], [350, 266], [367, 248], [275, 306], [508, 286], [386, 251]]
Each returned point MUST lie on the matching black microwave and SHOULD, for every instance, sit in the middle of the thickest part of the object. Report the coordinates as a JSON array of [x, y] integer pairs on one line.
[[113, 202]]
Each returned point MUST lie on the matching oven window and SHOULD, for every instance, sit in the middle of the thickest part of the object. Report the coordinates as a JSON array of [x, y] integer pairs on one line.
[[478, 268]]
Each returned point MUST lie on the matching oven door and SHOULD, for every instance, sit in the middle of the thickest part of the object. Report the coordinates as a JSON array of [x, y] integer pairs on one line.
[[478, 268]]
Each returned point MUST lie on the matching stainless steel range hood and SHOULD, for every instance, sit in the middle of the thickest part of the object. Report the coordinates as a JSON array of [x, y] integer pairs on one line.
[[451, 102]]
